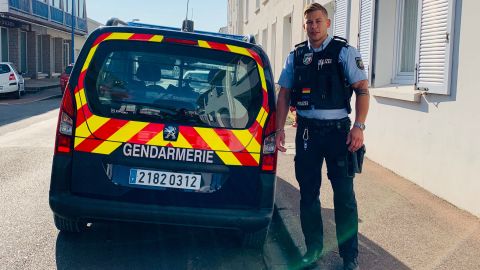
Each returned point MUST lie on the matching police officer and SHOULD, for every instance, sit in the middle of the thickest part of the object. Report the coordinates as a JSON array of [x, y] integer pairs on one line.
[[319, 77]]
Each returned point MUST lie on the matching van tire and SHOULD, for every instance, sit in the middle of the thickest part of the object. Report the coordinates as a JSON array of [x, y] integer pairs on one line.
[[68, 225], [255, 240]]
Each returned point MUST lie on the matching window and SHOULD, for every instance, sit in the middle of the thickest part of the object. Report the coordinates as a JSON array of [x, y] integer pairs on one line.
[[365, 34], [4, 69], [158, 82], [273, 45], [23, 51], [406, 36], [257, 5], [39, 54], [4, 41], [265, 39]]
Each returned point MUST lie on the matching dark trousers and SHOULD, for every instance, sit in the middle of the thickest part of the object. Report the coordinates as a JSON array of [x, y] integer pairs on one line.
[[326, 139]]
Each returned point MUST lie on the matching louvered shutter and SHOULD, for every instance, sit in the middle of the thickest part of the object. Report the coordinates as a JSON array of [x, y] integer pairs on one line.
[[367, 8], [340, 20], [434, 50]]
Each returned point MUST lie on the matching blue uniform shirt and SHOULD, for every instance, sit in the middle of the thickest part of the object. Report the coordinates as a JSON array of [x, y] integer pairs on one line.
[[348, 58]]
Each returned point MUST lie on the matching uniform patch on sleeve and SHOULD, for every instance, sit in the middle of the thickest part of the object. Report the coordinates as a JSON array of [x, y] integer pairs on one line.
[[359, 62]]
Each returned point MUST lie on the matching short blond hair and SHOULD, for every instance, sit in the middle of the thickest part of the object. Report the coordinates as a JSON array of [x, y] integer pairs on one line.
[[314, 7]]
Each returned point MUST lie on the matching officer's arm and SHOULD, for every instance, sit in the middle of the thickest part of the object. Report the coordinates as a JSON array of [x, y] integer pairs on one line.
[[362, 100], [283, 103]]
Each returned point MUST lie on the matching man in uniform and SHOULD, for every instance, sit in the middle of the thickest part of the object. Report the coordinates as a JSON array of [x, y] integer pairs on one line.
[[319, 78]]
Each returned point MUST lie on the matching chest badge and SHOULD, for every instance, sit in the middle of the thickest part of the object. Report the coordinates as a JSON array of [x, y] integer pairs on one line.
[[307, 58]]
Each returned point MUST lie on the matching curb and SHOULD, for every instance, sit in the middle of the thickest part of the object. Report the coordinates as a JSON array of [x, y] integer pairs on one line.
[[34, 89]]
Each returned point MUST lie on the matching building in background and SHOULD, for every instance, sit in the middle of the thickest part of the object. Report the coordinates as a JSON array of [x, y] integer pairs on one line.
[[36, 34], [421, 61]]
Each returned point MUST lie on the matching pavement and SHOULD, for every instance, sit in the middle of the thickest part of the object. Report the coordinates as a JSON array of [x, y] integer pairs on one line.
[[36, 90], [401, 225]]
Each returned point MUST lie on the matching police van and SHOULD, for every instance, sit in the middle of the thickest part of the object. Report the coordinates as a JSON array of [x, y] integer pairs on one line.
[[159, 125]]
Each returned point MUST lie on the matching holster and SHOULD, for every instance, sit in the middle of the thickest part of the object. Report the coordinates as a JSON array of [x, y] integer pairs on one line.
[[355, 161]]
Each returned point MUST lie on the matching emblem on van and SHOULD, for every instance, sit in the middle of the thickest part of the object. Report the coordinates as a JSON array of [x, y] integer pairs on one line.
[[170, 133]]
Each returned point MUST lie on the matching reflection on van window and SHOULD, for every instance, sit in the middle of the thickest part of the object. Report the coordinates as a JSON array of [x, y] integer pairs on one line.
[[159, 82]]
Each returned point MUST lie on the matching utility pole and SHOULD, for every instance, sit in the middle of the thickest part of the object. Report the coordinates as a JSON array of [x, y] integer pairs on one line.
[[72, 50]]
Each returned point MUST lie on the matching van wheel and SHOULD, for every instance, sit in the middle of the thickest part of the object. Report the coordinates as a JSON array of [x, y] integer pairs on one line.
[[256, 239], [68, 225]]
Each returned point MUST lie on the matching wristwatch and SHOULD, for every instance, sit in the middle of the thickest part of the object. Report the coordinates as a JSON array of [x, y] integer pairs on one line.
[[359, 125]]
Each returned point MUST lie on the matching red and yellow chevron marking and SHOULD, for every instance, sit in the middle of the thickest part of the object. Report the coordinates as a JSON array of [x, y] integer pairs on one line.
[[102, 135]]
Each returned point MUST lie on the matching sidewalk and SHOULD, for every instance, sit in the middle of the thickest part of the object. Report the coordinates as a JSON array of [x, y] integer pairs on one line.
[[401, 226], [35, 85]]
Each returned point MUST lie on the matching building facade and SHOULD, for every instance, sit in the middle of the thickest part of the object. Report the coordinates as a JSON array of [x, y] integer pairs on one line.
[[36, 34], [420, 59]]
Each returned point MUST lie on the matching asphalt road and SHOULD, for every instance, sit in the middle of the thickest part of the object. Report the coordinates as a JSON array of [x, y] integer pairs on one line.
[[29, 239]]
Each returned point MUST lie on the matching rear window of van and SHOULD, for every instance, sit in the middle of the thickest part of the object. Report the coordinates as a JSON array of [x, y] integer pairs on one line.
[[162, 82]]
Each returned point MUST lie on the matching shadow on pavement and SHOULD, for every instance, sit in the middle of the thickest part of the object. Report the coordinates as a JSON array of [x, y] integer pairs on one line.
[[371, 255], [16, 112], [141, 246]]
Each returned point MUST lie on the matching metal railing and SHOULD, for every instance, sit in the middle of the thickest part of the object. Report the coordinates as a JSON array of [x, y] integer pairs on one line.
[[49, 13]]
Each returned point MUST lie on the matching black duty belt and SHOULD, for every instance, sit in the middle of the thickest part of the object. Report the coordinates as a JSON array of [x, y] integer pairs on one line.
[[317, 123]]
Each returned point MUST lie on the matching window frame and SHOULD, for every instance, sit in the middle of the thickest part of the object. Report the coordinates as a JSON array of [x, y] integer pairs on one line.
[[399, 77]]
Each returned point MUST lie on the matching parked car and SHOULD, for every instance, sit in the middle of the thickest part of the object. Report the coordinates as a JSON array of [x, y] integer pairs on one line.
[[169, 127], [11, 80], [65, 76]]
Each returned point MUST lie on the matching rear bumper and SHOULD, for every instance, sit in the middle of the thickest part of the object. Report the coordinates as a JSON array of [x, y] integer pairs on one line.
[[89, 209], [9, 88]]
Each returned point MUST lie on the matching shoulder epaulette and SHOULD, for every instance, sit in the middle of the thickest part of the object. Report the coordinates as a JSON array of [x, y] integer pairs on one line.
[[340, 39], [301, 44]]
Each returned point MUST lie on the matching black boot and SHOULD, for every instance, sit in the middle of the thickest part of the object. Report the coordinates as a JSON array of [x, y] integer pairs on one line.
[[350, 264], [309, 260]]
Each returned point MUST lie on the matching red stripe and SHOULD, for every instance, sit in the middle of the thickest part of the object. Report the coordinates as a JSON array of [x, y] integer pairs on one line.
[[81, 80], [169, 145], [88, 145], [101, 38], [230, 139], [80, 117], [218, 46], [256, 57], [108, 129], [245, 158], [192, 136], [265, 99], [142, 37], [146, 134]]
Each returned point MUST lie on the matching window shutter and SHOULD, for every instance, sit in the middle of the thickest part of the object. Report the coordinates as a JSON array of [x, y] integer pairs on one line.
[[367, 16], [434, 50], [340, 19]]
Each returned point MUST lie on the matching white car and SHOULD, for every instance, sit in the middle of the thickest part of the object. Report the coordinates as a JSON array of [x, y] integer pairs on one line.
[[11, 81]]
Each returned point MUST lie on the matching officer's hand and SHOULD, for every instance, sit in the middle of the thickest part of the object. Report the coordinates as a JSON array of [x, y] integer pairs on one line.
[[280, 140], [355, 139]]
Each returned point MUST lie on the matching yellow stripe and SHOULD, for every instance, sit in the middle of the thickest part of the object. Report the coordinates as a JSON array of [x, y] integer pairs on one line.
[[156, 38], [239, 50], [126, 132], [95, 122], [262, 77], [216, 143], [256, 157], [260, 115], [78, 141], [203, 44], [78, 100], [82, 130], [89, 58], [106, 147], [119, 36], [228, 158], [246, 138], [158, 140], [181, 142]]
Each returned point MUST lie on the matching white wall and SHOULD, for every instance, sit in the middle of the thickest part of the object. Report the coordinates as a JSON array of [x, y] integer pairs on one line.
[[433, 143]]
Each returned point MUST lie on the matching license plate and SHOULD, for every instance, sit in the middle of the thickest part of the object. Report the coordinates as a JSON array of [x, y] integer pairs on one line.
[[165, 179]]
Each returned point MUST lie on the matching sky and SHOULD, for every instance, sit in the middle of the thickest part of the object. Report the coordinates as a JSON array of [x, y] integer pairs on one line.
[[208, 15]]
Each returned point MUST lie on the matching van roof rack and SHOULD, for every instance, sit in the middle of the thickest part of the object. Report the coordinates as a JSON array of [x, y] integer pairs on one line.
[[247, 38]]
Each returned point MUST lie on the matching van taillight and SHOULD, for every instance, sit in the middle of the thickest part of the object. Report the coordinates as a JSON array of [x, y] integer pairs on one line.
[[269, 152], [11, 77], [64, 139]]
